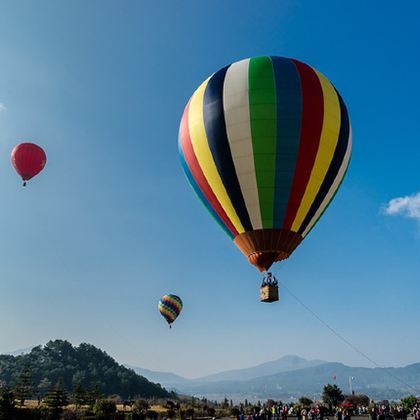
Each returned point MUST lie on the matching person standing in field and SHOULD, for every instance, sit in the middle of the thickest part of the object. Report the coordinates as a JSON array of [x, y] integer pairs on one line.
[[373, 412], [339, 414]]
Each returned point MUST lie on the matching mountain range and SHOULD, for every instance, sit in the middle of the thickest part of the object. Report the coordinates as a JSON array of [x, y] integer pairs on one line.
[[290, 377], [285, 379], [284, 364]]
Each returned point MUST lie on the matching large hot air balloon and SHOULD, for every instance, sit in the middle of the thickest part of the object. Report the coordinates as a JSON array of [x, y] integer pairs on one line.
[[29, 160], [265, 143], [170, 306]]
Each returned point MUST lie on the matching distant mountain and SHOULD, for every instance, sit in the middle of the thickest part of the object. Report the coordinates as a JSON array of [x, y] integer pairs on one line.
[[284, 364], [85, 364], [384, 383], [169, 379], [18, 352], [291, 377]]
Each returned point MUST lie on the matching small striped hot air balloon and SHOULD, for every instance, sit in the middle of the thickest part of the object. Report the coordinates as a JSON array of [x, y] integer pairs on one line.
[[265, 143], [170, 306]]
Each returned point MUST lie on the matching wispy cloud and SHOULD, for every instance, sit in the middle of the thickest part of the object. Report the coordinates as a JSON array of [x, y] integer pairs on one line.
[[2, 107], [408, 206]]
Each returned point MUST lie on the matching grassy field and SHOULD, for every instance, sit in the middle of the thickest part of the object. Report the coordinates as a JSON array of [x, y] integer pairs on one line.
[[34, 403]]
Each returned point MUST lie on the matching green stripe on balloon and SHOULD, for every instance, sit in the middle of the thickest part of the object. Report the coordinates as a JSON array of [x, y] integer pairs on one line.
[[262, 108]]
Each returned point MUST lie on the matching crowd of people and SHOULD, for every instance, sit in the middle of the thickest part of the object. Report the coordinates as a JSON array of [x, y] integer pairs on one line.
[[375, 411], [282, 412], [390, 412]]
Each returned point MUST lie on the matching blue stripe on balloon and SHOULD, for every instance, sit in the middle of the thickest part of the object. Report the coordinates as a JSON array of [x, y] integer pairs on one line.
[[289, 115], [215, 126]]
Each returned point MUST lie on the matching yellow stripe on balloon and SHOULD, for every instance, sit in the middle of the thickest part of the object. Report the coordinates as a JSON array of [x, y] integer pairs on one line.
[[168, 313], [205, 159], [177, 305], [327, 144], [334, 187]]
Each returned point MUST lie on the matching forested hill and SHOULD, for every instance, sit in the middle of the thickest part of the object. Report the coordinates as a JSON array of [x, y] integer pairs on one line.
[[85, 365]]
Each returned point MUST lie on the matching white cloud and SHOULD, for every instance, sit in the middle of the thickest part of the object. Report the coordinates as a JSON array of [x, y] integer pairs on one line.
[[408, 206], [2, 107]]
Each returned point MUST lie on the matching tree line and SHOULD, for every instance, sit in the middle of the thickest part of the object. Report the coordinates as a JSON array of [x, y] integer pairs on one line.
[[58, 362]]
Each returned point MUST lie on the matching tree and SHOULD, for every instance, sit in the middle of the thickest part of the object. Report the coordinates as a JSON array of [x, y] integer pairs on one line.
[[211, 411], [7, 403], [234, 411], [189, 412], [56, 397], [93, 395], [78, 395], [358, 400], [104, 408], [170, 414], [24, 388], [409, 402], [44, 386], [305, 402], [170, 404], [140, 408], [332, 396]]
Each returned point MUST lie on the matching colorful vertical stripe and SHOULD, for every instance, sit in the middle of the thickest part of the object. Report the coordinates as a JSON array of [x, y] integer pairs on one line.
[[238, 129], [265, 143], [262, 109], [215, 126], [289, 118]]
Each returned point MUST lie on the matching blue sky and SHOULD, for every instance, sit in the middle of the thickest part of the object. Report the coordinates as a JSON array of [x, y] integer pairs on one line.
[[88, 248]]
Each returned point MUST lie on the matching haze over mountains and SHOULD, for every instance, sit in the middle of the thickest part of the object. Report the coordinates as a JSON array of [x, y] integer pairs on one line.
[[283, 364], [285, 379], [290, 377]]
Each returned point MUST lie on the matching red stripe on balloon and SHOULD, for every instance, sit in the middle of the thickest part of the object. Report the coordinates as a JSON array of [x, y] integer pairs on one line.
[[197, 173], [310, 136]]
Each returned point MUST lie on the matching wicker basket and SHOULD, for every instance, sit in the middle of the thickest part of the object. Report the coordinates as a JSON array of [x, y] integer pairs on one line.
[[269, 293]]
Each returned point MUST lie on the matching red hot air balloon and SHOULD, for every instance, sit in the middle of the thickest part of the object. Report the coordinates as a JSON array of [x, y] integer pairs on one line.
[[29, 160]]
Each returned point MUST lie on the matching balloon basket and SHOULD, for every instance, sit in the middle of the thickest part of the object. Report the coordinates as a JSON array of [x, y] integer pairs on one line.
[[269, 290], [269, 294]]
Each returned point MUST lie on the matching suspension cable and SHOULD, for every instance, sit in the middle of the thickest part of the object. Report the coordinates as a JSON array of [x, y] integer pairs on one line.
[[345, 340]]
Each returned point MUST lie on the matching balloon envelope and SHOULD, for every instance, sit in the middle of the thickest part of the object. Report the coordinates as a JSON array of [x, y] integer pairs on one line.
[[170, 306], [28, 159], [265, 143]]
